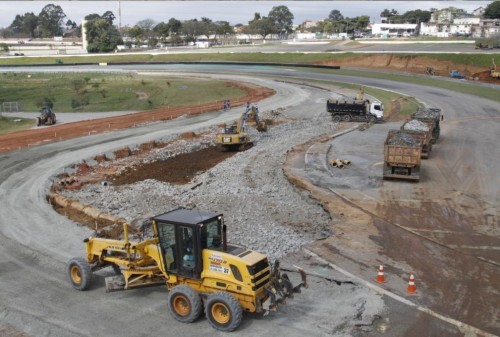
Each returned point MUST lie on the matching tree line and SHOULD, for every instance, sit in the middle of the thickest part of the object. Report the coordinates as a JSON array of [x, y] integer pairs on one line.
[[103, 35]]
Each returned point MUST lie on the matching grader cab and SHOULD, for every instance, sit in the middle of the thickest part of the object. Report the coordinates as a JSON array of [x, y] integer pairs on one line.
[[190, 254]]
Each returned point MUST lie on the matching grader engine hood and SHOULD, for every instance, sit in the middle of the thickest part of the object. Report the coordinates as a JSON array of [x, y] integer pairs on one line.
[[252, 272]]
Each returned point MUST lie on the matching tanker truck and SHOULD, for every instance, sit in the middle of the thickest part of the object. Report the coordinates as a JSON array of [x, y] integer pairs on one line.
[[356, 110]]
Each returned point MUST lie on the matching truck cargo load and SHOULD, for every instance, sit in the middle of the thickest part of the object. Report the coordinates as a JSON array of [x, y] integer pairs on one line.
[[402, 153], [432, 117], [424, 131]]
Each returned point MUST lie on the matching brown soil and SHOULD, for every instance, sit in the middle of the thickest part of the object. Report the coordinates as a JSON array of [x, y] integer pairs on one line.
[[17, 140], [177, 170], [414, 64]]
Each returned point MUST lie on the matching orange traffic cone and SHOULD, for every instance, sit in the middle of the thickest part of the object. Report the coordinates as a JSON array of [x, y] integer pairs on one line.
[[412, 288], [380, 275]]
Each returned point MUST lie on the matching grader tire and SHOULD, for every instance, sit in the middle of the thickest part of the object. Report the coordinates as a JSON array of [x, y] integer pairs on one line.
[[79, 273], [223, 311], [184, 303]]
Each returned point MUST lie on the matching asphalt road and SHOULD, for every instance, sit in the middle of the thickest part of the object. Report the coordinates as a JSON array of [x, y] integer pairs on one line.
[[35, 242]]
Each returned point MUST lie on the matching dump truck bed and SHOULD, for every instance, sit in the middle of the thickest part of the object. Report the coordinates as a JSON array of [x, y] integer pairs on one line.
[[402, 153]]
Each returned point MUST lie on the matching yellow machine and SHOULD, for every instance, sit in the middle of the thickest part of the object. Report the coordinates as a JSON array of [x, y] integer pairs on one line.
[[234, 137], [190, 254], [494, 73]]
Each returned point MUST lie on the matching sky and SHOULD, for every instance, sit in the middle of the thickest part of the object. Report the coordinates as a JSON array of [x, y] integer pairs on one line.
[[232, 11]]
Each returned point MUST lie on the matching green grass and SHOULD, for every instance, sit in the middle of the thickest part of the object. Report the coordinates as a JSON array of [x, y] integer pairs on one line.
[[470, 59], [8, 124], [91, 92]]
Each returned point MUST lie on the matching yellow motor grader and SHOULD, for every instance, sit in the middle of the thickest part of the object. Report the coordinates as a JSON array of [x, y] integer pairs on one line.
[[234, 136], [189, 253]]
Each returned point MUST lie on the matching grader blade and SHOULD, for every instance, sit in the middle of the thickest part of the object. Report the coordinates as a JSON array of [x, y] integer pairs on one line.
[[115, 283]]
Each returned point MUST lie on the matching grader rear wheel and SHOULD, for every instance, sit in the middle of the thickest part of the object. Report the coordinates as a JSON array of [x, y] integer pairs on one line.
[[79, 273], [223, 311], [184, 303]]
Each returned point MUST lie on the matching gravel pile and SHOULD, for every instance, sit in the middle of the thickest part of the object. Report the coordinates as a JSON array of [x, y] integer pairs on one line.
[[262, 209], [403, 139], [415, 125], [427, 113]]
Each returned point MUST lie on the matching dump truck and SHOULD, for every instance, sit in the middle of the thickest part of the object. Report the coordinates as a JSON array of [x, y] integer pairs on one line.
[[402, 153], [432, 117], [234, 137], [190, 254], [424, 131], [356, 110]]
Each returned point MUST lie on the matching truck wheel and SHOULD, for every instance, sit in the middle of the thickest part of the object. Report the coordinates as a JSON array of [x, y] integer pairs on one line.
[[184, 303], [346, 118], [38, 121], [79, 273], [372, 119], [223, 311], [336, 119]]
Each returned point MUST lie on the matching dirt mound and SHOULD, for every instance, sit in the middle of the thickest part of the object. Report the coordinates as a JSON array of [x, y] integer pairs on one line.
[[413, 64]]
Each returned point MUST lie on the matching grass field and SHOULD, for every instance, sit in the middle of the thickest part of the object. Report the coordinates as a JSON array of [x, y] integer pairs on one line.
[[15, 124], [90, 92], [483, 60]]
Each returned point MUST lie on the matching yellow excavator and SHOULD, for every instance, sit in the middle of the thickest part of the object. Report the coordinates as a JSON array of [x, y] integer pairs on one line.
[[189, 253], [234, 136]]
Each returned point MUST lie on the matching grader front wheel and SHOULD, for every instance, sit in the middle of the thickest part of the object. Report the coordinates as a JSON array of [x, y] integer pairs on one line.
[[184, 304], [223, 311], [79, 273]]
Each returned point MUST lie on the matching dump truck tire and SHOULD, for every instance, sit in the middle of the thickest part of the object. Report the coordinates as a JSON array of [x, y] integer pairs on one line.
[[223, 311], [336, 118], [184, 303], [346, 118], [79, 273]]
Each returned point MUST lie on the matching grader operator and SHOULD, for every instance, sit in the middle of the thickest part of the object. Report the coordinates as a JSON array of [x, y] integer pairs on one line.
[[189, 253], [234, 136]]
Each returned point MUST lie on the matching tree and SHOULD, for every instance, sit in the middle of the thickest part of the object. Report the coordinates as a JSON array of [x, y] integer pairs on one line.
[[263, 27], [174, 26], [388, 13], [109, 16], [282, 19], [416, 16], [17, 24], [102, 36], [492, 11], [30, 24], [51, 20], [335, 15]]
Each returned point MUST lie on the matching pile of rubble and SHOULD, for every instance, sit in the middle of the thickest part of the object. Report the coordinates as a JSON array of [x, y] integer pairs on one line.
[[415, 125], [262, 209], [402, 138]]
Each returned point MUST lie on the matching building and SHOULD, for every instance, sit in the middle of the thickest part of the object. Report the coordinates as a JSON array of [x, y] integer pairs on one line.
[[386, 30]]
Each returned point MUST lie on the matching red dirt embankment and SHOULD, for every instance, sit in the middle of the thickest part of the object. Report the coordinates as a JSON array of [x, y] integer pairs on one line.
[[415, 65], [17, 140]]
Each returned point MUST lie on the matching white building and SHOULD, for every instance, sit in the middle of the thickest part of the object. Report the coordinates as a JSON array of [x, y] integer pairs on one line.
[[393, 29], [464, 26]]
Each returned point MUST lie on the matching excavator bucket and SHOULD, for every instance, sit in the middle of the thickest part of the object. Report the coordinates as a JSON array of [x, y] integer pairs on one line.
[[281, 287]]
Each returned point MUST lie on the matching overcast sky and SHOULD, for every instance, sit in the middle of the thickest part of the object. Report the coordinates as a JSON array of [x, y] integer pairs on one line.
[[232, 11]]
